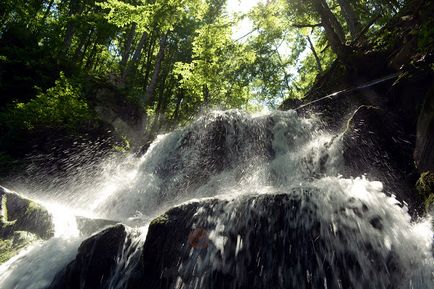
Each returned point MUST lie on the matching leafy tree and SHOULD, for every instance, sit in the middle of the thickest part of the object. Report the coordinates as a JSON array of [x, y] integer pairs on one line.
[[60, 106]]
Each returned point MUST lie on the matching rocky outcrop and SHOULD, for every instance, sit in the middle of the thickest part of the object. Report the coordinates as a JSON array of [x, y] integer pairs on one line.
[[22, 221], [376, 145], [21, 214], [424, 151], [122, 112], [384, 105]]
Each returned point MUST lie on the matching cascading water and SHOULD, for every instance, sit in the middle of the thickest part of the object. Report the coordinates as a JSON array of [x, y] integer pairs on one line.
[[36, 266], [266, 191]]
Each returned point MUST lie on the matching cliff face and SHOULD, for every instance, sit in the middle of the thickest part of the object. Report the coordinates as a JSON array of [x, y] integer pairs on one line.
[[386, 97]]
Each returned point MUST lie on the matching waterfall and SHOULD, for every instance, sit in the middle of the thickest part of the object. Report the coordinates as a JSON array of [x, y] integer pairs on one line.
[[276, 174], [36, 266]]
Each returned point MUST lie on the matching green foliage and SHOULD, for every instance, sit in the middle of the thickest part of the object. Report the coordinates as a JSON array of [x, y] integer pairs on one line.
[[172, 57], [60, 106], [425, 188]]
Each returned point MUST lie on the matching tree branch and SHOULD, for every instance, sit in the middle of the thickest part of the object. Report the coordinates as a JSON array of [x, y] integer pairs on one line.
[[301, 25]]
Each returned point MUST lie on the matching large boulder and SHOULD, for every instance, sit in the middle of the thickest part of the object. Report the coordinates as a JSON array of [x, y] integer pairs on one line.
[[22, 221], [105, 260], [268, 241], [96, 261]]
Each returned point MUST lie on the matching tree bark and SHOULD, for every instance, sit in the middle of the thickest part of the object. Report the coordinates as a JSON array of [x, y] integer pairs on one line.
[[337, 27], [150, 89], [129, 71], [82, 46], [70, 28], [146, 69], [127, 47], [350, 17], [312, 48], [205, 94], [139, 48], [333, 38]]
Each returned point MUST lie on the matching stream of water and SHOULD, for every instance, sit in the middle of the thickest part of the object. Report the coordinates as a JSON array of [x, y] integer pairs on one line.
[[232, 155]]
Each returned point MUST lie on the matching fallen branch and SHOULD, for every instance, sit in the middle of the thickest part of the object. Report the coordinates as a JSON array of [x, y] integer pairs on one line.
[[348, 90]]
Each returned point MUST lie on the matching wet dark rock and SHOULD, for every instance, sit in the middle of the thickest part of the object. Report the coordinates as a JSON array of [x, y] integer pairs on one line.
[[290, 248], [388, 127], [424, 150], [376, 145], [95, 262], [376, 223]]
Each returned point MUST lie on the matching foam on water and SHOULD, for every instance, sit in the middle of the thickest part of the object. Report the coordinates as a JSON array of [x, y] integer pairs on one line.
[[234, 156]]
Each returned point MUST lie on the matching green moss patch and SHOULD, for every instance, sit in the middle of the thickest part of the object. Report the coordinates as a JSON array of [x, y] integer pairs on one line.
[[160, 220], [425, 184], [11, 246]]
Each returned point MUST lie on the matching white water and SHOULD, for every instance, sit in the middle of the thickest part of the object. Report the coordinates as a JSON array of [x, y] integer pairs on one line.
[[264, 154], [36, 266]]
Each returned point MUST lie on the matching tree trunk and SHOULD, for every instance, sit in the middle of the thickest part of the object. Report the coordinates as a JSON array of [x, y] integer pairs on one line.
[[312, 48], [205, 94], [150, 90], [82, 46], [175, 116], [161, 103], [337, 27], [148, 67], [92, 54], [129, 71], [139, 48], [350, 17], [127, 47], [332, 36], [70, 28], [68, 37], [82, 55]]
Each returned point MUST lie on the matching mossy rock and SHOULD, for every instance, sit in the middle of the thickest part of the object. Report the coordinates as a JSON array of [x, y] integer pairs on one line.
[[425, 184], [11, 246], [22, 214], [429, 203], [22, 221], [162, 219]]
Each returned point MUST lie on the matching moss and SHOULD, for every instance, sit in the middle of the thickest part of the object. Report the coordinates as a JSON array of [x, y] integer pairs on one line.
[[429, 202], [11, 246], [26, 215], [160, 220], [6, 250], [425, 184]]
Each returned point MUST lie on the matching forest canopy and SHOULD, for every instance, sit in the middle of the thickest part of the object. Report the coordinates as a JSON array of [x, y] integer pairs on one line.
[[155, 64]]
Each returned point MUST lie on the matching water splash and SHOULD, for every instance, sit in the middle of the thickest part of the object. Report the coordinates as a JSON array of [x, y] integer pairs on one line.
[[243, 160], [35, 266]]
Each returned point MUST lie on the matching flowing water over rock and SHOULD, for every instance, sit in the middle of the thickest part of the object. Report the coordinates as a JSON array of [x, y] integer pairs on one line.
[[266, 208]]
